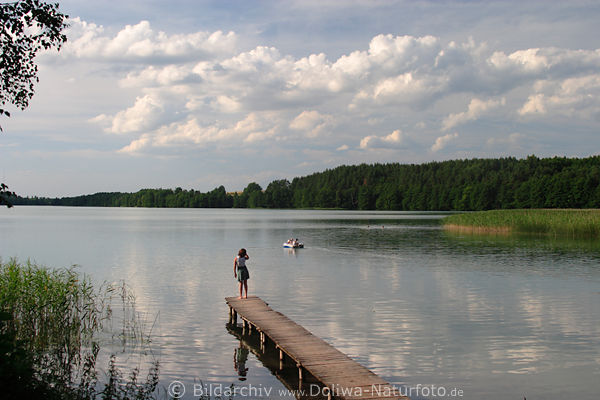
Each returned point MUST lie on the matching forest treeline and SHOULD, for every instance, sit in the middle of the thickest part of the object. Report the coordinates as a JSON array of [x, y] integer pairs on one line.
[[476, 184]]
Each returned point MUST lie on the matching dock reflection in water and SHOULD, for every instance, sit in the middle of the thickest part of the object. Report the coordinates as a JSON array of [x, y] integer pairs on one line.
[[286, 371]]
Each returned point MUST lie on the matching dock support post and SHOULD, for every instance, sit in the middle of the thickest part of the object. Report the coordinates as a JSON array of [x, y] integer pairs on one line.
[[280, 358], [234, 317], [299, 372], [262, 341]]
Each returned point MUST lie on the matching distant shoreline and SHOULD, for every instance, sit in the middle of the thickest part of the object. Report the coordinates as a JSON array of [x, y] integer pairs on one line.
[[575, 223], [453, 185]]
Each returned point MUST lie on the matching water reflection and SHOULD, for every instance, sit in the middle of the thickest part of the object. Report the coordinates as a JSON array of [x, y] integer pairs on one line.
[[501, 317], [285, 371], [556, 244], [240, 356], [291, 252]]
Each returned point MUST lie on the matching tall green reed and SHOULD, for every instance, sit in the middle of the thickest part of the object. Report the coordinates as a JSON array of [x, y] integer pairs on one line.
[[57, 318], [557, 222]]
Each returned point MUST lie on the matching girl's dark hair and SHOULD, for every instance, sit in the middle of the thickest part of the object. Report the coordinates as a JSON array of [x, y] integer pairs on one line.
[[242, 252]]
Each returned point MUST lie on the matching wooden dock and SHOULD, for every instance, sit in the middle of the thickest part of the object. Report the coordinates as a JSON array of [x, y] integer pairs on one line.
[[343, 377]]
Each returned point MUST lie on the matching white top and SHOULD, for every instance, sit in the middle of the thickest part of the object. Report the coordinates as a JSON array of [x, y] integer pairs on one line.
[[241, 261]]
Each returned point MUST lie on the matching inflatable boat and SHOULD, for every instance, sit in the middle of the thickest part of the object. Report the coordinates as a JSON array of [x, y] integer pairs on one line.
[[296, 245]]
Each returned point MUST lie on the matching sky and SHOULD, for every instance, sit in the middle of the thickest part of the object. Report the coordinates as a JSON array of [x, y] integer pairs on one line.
[[198, 94]]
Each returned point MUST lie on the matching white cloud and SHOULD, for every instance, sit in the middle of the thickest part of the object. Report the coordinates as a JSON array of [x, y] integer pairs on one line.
[[442, 141], [407, 88], [101, 119], [530, 60], [195, 89], [137, 145], [261, 135], [253, 128], [534, 105], [312, 122], [226, 104], [548, 62], [393, 140], [158, 76], [141, 116], [476, 109], [402, 52], [578, 96], [140, 41]]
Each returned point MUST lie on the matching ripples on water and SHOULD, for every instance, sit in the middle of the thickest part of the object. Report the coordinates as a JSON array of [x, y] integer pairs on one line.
[[498, 317]]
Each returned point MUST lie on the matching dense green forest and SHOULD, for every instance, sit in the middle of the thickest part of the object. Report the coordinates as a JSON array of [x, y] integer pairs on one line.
[[476, 184]]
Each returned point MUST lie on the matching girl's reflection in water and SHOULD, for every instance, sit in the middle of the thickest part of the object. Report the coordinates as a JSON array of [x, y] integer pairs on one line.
[[240, 356]]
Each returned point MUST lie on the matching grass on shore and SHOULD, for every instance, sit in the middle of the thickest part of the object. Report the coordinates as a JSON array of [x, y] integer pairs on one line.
[[557, 222]]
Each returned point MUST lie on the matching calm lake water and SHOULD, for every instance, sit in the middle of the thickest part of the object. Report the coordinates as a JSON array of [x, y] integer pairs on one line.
[[494, 317]]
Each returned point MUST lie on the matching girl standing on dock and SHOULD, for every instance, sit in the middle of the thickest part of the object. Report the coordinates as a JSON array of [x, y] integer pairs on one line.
[[240, 271]]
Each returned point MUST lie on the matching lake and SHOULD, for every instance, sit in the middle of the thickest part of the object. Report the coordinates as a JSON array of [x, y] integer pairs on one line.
[[493, 317]]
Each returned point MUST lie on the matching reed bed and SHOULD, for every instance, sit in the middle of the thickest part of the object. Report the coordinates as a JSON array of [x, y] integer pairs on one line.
[[556, 222], [51, 325]]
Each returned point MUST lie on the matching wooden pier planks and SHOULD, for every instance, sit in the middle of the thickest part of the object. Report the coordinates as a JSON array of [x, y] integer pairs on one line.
[[347, 378]]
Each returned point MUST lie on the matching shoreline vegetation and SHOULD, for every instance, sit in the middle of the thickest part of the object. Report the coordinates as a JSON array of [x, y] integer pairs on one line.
[[456, 185], [571, 223], [53, 323]]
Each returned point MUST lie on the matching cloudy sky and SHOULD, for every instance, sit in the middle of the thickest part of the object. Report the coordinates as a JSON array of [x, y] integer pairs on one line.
[[202, 93]]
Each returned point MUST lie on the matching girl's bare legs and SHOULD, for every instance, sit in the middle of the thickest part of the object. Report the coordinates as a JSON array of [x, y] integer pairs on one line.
[[241, 285], [245, 287]]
